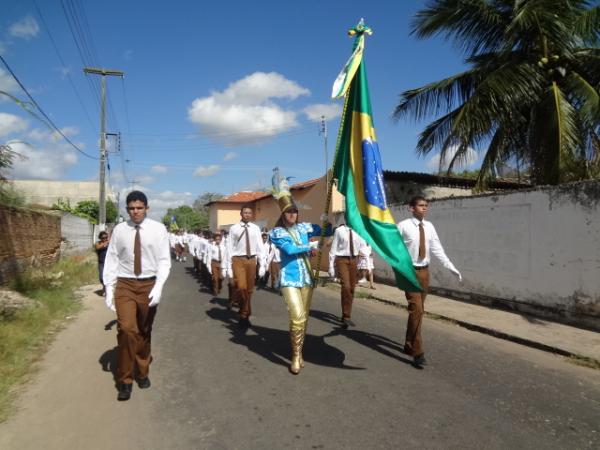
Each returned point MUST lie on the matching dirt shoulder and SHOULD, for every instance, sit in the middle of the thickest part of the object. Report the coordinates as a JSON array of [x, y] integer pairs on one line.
[[71, 400]]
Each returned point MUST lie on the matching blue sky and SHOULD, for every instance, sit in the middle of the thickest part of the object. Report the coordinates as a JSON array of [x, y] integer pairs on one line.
[[215, 93]]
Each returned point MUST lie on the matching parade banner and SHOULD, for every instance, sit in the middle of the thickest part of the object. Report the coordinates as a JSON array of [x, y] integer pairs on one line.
[[359, 174]]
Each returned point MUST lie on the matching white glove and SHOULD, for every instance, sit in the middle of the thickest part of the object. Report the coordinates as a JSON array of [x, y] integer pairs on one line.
[[109, 298], [458, 275], [154, 295], [209, 268], [261, 271], [223, 273], [313, 245], [331, 272]]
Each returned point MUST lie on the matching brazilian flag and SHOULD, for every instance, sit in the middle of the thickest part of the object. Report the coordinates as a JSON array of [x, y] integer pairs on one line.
[[359, 173]]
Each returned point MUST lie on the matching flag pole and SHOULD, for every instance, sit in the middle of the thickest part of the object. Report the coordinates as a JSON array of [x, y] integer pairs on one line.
[[330, 191]]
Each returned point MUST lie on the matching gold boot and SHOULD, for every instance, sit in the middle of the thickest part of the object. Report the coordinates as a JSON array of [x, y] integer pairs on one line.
[[296, 338], [302, 345]]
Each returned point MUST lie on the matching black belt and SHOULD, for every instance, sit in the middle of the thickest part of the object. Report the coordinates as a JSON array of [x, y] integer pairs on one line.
[[136, 279], [421, 267], [244, 256], [347, 257]]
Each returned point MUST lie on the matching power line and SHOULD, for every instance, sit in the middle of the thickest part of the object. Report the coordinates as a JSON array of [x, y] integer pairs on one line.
[[50, 122], [47, 28]]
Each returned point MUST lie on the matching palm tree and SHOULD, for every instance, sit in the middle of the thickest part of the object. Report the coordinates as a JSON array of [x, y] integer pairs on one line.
[[530, 95]]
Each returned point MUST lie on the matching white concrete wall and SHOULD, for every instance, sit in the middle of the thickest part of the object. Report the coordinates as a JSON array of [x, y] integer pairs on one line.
[[537, 249], [45, 192], [77, 232]]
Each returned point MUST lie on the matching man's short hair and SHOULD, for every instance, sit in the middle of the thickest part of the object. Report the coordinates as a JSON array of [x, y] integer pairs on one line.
[[247, 206], [102, 234], [416, 199], [135, 196]]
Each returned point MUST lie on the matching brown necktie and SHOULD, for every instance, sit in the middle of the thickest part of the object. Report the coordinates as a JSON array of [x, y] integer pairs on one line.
[[248, 253], [421, 241], [219, 253], [137, 252], [351, 243]]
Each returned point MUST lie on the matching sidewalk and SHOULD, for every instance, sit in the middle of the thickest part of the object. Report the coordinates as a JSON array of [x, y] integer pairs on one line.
[[527, 330]]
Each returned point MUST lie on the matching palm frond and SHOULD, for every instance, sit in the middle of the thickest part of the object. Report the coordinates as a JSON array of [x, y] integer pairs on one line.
[[473, 25]]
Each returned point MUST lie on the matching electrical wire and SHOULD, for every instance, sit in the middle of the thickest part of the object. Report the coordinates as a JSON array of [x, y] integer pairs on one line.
[[42, 112], [62, 62]]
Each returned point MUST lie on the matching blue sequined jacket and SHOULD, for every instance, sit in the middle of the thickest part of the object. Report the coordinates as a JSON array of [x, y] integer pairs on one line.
[[294, 251]]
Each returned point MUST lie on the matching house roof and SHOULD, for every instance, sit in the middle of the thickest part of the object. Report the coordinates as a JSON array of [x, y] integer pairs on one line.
[[241, 197], [450, 181], [251, 196], [305, 184]]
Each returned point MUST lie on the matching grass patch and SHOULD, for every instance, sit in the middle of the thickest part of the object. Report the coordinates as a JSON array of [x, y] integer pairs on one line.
[[584, 362], [25, 335]]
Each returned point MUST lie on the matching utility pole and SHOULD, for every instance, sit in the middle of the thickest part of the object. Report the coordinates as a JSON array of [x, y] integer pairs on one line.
[[102, 194], [323, 132]]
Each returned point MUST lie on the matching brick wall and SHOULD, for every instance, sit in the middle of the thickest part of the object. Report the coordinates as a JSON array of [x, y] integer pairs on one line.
[[27, 238]]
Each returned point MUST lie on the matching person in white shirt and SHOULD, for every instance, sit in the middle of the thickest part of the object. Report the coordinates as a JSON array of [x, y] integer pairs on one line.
[[421, 240], [246, 249], [228, 273], [343, 263], [365, 264], [136, 268], [272, 262], [216, 263]]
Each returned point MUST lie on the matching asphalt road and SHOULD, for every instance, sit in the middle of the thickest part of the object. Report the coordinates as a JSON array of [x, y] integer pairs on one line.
[[218, 387]]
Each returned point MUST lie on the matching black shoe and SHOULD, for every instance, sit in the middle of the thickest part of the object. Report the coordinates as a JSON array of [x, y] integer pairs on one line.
[[244, 323], [143, 383], [420, 360], [124, 392]]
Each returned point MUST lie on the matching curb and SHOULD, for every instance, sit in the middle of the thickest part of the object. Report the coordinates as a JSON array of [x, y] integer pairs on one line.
[[594, 363]]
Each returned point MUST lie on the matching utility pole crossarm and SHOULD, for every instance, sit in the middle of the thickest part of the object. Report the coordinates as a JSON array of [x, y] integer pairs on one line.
[[97, 71]]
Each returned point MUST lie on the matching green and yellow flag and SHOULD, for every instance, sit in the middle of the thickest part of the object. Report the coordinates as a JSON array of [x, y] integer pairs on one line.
[[359, 173]]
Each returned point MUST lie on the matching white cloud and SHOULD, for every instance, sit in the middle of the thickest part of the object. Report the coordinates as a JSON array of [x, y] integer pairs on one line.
[[230, 155], [10, 124], [49, 161], [469, 160], [7, 83], [329, 110], [206, 171], [245, 113], [25, 28], [159, 169]]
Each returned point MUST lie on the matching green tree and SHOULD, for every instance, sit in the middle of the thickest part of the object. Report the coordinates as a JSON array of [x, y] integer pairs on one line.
[[186, 217], [530, 94], [91, 209], [200, 204]]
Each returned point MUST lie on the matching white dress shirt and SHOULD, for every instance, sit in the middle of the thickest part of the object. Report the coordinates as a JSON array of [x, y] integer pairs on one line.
[[340, 246], [213, 251], [409, 229], [238, 240], [156, 257], [271, 253]]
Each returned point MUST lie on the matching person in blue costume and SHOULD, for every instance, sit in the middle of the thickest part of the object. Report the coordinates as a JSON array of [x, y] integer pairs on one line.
[[292, 238]]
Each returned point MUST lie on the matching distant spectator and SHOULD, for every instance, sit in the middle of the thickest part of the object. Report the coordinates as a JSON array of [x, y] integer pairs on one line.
[[101, 247]]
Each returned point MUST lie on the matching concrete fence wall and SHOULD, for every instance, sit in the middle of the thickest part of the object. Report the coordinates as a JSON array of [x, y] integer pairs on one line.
[[77, 233], [536, 251], [34, 238]]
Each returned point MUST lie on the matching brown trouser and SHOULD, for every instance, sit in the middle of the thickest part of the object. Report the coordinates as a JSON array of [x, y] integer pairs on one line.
[[244, 277], [347, 271], [134, 328], [274, 270], [413, 345], [217, 280]]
